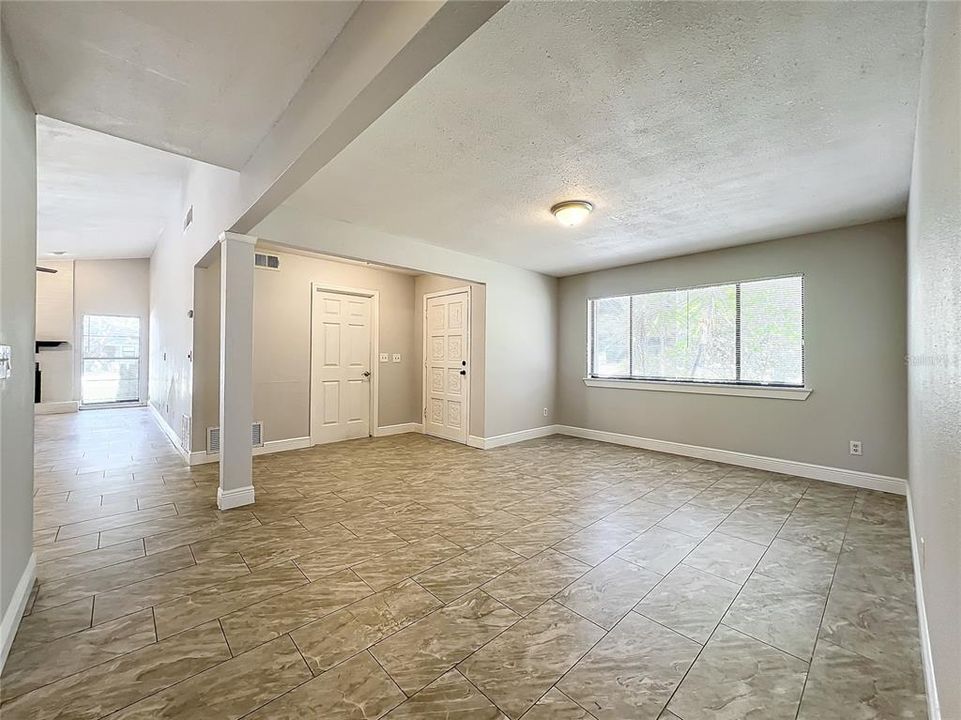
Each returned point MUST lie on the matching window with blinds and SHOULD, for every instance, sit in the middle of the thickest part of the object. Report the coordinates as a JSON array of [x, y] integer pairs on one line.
[[747, 333]]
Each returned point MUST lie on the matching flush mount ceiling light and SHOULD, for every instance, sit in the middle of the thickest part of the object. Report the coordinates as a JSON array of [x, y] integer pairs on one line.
[[572, 212], [59, 252]]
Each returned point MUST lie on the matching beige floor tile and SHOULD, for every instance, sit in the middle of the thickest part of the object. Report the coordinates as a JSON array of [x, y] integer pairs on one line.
[[335, 558], [37, 666], [164, 588], [608, 592], [537, 536], [632, 672], [48, 551], [799, 565], [41, 627], [392, 567], [658, 549], [555, 705], [725, 556], [452, 697], [533, 582], [90, 560], [463, 573], [78, 587], [738, 677], [423, 651], [520, 665], [689, 601], [597, 542], [111, 522], [120, 682], [228, 690], [334, 638], [248, 627]]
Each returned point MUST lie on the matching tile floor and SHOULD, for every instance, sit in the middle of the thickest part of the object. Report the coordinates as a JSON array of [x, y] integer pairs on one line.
[[407, 577]]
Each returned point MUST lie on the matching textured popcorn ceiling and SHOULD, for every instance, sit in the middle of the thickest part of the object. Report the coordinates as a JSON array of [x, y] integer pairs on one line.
[[690, 126], [202, 79]]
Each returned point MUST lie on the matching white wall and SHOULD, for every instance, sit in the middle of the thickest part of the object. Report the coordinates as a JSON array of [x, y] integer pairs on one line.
[[55, 321], [212, 192], [520, 354], [934, 345], [854, 327], [18, 253]]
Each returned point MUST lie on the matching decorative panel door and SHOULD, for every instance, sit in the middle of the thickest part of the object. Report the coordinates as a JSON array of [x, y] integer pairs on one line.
[[340, 367], [446, 357]]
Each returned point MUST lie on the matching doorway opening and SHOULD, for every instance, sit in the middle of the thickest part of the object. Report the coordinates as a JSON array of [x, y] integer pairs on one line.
[[110, 360]]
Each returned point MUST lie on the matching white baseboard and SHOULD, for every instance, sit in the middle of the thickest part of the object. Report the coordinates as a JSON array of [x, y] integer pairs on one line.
[[511, 438], [169, 432], [56, 408], [927, 659], [235, 498], [400, 429], [14, 612], [202, 457], [840, 476]]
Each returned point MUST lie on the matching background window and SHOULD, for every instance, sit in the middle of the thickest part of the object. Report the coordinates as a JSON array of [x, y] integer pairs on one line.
[[110, 370], [747, 332]]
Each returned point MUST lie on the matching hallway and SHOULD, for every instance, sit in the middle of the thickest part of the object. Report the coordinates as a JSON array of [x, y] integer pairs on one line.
[[410, 577]]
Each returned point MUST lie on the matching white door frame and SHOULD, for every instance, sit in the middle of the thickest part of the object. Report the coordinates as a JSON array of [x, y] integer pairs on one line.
[[470, 368], [374, 296]]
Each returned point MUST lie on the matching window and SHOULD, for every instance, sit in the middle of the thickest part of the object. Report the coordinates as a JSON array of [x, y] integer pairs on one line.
[[747, 333], [110, 370]]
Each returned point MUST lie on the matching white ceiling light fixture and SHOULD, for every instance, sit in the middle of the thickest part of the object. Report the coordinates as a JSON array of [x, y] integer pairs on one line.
[[572, 212], [58, 252]]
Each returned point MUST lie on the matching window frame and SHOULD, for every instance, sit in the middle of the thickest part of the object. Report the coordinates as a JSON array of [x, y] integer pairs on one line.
[[594, 379]]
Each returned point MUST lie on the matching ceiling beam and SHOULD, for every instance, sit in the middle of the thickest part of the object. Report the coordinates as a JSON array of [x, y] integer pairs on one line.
[[382, 52]]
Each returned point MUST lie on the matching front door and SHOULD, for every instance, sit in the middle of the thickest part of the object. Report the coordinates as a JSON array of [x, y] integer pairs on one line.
[[447, 353], [340, 367]]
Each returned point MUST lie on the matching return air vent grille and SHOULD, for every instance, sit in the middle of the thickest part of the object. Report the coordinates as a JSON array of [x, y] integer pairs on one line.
[[213, 437], [266, 262]]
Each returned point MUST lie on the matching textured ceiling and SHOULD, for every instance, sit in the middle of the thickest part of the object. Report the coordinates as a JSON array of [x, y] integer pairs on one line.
[[99, 196], [690, 126], [203, 79]]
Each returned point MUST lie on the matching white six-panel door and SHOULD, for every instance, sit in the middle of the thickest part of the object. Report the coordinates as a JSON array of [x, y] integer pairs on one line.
[[340, 366], [446, 371]]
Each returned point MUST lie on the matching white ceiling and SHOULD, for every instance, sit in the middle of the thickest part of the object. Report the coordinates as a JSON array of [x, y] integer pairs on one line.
[[202, 79], [100, 196], [690, 126]]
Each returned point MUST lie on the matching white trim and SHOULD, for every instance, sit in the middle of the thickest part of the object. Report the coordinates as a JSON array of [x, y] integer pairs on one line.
[[511, 438], [399, 429], [927, 658], [470, 370], [841, 476], [202, 457], [172, 435], [14, 612], [759, 391], [238, 237], [56, 408], [374, 296], [235, 498]]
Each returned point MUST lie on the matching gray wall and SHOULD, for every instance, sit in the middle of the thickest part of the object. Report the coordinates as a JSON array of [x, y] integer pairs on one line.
[[425, 284], [934, 344], [854, 284], [18, 253]]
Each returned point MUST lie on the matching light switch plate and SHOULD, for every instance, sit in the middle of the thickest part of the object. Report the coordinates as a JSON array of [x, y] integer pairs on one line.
[[5, 368], [396, 357], [384, 357]]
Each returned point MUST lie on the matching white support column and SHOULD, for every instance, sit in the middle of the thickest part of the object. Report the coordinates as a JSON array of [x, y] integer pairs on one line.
[[236, 370]]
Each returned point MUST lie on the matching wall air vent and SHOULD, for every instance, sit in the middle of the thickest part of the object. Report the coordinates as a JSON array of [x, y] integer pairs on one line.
[[213, 437], [189, 217], [266, 262]]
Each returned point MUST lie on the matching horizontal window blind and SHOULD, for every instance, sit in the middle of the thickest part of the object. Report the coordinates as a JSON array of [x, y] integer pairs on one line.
[[748, 332]]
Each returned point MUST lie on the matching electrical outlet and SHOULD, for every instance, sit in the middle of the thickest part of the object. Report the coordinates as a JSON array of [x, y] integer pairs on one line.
[[396, 357], [855, 447], [385, 357], [545, 412]]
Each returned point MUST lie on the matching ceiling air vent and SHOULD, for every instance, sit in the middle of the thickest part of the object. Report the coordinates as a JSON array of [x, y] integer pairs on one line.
[[213, 437], [266, 262]]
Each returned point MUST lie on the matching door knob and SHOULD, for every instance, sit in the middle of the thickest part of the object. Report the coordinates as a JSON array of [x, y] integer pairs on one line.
[[463, 372], [366, 373]]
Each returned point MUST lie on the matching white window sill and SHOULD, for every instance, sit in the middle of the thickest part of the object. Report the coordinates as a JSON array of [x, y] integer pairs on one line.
[[759, 391]]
